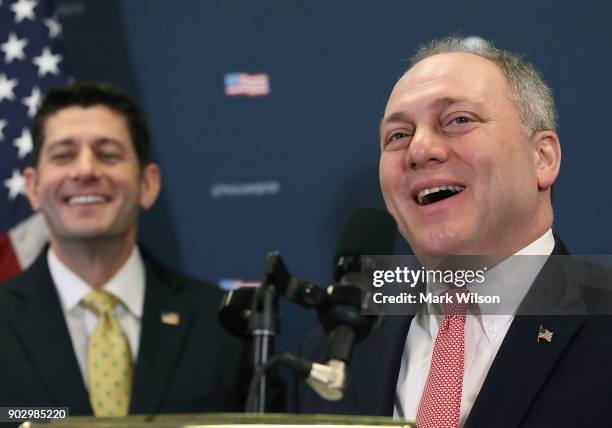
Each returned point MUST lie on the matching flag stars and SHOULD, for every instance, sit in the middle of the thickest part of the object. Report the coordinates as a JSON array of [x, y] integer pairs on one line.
[[47, 62], [13, 48], [55, 28], [3, 124], [7, 87], [24, 9], [33, 101], [23, 144], [15, 184]]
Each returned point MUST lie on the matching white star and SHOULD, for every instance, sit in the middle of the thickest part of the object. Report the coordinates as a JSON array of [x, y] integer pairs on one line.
[[55, 28], [24, 9], [2, 125], [15, 184], [6, 88], [33, 101], [13, 48], [23, 143], [47, 62]]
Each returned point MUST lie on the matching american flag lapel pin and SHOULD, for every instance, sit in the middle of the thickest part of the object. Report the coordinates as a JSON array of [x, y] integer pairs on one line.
[[545, 334], [170, 318]]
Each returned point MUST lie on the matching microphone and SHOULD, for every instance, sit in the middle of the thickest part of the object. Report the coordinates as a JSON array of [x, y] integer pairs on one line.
[[368, 231]]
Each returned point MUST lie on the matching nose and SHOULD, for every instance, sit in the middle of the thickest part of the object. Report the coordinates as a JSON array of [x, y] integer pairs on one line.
[[86, 167], [426, 149]]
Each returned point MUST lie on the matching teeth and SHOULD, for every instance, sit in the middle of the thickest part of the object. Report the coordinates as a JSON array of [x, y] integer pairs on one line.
[[85, 199], [421, 195]]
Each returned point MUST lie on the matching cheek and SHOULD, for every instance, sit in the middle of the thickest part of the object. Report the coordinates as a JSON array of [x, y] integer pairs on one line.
[[390, 171], [48, 188]]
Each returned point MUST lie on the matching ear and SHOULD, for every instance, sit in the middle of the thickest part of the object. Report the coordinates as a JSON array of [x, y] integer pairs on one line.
[[150, 185], [548, 158], [31, 184]]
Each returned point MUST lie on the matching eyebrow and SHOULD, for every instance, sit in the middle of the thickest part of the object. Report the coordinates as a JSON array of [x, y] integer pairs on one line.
[[71, 141], [105, 141], [438, 103], [448, 101]]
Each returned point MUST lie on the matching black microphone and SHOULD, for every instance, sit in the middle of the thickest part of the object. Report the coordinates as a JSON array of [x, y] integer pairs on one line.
[[368, 231]]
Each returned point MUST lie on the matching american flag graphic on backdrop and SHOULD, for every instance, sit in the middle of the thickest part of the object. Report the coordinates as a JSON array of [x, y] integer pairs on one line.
[[245, 84], [30, 64]]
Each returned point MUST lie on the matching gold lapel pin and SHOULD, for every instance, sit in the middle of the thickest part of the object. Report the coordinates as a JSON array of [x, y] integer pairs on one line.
[[170, 318], [545, 334]]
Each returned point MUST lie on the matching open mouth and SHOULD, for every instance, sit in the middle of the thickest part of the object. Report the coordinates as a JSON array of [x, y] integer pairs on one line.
[[86, 200], [437, 194]]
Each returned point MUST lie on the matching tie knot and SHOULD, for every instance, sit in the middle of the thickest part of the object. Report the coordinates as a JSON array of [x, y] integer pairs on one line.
[[100, 301]]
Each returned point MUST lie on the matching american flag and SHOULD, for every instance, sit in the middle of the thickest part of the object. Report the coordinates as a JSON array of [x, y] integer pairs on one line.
[[30, 64], [545, 334], [250, 85]]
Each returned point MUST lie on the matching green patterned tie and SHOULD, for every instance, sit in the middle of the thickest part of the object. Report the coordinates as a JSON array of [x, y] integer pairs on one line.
[[109, 360]]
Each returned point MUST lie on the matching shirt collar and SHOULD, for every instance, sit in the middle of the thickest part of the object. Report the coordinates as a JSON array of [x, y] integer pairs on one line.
[[511, 278], [127, 284]]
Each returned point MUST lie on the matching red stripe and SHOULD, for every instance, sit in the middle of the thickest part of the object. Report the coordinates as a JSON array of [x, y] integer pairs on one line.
[[9, 265]]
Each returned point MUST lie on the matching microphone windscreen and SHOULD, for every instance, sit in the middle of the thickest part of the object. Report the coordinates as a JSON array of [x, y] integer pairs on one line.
[[367, 231]]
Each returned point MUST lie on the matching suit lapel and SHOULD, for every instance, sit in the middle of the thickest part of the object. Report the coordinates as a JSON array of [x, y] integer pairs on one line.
[[40, 326], [377, 366], [521, 367], [160, 342], [523, 364]]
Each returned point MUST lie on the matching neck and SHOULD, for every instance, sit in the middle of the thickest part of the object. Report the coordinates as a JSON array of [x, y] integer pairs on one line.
[[94, 261], [489, 255]]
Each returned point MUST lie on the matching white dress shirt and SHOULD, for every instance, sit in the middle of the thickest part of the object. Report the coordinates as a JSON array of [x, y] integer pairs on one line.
[[483, 333], [128, 285]]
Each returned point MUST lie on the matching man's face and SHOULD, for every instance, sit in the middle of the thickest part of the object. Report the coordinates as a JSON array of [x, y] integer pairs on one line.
[[88, 182], [450, 124]]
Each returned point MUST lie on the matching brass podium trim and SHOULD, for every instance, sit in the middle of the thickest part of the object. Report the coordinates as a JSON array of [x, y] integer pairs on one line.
[[224, 420]]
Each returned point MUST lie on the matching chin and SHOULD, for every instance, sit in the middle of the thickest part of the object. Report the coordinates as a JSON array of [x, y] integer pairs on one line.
[[438, 243], [85, 233]]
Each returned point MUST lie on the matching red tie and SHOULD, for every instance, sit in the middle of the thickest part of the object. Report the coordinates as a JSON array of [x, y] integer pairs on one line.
[[441, 400]]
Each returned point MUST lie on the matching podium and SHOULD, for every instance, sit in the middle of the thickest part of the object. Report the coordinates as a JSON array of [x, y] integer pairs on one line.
[[225, 420]]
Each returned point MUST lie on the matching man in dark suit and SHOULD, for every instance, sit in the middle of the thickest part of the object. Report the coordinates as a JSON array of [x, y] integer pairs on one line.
[[96, 323], [469, 155]]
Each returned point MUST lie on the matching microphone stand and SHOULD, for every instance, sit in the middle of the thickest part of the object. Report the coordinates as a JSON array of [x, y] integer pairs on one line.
[[339, 312], [263, 325]]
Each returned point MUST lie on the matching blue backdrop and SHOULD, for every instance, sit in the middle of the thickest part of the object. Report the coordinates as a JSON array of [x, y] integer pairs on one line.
[[311, 144]]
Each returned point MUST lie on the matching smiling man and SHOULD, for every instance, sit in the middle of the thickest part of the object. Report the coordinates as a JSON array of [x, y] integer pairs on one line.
[[469, 155], [96, 323], [460, 170]]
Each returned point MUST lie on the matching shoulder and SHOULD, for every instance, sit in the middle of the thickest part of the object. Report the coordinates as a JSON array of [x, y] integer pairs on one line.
[[179, 281], [32, 280]]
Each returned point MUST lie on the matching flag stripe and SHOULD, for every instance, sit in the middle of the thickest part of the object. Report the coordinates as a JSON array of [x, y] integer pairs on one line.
[[28, 238], [9, 265]]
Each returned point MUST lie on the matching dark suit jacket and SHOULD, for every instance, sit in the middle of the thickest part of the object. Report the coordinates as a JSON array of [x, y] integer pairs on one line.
[[567, 382], [191, 367]]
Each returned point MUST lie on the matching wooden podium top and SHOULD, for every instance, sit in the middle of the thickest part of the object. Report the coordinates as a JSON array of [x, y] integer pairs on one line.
[[224, 420]]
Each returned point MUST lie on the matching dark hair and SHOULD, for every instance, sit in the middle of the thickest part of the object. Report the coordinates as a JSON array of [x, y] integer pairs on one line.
[[88, 94]]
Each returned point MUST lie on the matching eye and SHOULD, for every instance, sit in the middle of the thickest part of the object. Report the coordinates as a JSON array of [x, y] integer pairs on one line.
[[109, 156], [61, 156], [459, 120], [397, 136], [397, 140]]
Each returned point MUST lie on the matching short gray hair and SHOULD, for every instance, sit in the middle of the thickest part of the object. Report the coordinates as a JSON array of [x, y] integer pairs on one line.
[[531, 95]]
